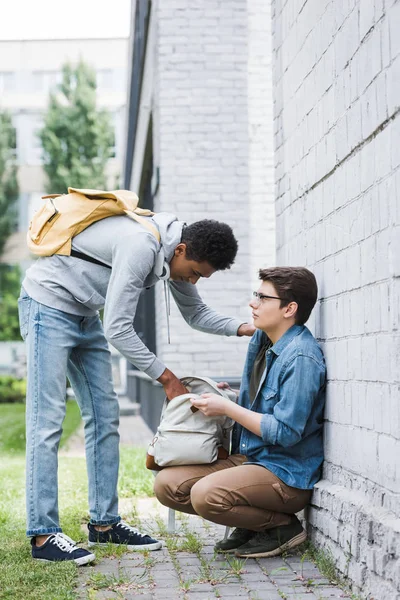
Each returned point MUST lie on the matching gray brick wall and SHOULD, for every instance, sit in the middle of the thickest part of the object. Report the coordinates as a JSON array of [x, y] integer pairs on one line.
[[213, 144], [337, 134]]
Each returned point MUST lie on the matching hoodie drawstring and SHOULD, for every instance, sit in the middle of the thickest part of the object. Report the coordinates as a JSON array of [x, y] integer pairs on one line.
[[167, 296]]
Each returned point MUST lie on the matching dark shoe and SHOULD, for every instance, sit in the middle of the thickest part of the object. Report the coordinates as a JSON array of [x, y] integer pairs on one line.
[[59, 547], [122, 533], [237, 538], [272, 542]]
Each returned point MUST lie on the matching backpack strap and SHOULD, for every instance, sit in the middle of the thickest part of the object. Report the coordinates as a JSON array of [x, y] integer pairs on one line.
[[133, 216], [145, 224], [88, 258]]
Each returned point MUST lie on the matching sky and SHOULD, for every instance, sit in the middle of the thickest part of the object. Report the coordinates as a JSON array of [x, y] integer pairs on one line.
[[55, 19]]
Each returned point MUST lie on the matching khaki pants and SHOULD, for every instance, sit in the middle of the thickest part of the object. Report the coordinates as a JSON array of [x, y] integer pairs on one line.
[[230, 493]]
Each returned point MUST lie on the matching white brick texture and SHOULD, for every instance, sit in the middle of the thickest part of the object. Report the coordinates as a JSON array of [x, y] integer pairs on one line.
[[337, 167], [213, 144]]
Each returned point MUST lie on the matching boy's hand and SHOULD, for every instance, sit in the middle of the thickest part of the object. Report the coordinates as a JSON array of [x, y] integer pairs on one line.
[[246, 329], [223, 385], [172, 385], [211, 405]]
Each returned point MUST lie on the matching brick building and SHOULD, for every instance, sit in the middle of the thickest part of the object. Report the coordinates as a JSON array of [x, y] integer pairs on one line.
[[337, 133], [199, 145]]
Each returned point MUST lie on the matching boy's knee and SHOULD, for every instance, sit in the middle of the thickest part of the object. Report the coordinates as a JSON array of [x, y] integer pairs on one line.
[[171, 488], [205, 499], [162, 486]]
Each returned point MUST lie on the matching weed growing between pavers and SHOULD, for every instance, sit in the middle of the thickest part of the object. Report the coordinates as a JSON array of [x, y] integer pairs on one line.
[[325, 562], [236, 564], [123, 582], [188, 541]]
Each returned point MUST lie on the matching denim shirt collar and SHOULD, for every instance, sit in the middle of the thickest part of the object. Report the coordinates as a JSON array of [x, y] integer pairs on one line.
[[287, 337]]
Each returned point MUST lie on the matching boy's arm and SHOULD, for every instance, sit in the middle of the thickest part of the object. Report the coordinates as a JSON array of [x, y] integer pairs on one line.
[[299, 389], [203, 318], [133, 259], [213, 405]]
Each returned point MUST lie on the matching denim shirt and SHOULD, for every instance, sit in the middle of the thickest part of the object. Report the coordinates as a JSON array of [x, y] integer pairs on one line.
[[291, 398]]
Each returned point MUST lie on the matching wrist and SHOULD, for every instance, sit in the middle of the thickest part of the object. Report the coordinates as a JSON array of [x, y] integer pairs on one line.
[[230, 409], [241, 328], [166, 377]]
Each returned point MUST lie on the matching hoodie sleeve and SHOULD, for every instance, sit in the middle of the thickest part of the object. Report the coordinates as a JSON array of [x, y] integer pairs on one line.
[[198, 315], [133, 259]]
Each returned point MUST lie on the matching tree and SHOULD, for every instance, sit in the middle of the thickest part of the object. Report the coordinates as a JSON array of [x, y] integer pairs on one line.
[[9, 275], [8, 179], [10, 284], [77, 138]]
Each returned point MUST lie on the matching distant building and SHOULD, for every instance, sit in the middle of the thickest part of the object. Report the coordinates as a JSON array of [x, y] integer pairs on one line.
[[29, 69]]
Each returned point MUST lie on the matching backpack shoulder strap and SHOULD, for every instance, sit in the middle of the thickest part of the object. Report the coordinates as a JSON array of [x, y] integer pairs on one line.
[[145, 224]]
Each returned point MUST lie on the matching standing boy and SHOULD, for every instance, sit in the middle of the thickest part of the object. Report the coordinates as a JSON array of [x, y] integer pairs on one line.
[[115, 260]]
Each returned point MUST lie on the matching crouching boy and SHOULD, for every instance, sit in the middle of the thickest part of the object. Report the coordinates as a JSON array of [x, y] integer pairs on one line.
[[277, 448]]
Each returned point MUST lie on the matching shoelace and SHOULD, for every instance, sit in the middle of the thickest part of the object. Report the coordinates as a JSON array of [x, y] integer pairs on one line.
[[64, 542], [130, 528]]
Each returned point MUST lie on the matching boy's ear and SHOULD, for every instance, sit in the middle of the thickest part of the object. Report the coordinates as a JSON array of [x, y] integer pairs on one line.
[[180, 250], [291, 310]]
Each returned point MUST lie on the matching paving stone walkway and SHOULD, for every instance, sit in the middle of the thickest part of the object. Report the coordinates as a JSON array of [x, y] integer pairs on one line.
[[186, 567]]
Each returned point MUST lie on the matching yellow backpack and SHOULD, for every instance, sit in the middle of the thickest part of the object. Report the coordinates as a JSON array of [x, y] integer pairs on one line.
[[63, 216]]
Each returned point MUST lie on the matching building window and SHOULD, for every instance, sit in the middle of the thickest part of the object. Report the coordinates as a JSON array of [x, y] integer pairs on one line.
[[45, 81], [104, 79], [7, 82]]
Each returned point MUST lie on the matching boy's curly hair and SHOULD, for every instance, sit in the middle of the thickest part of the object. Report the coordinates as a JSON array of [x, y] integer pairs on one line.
[[210, 241]]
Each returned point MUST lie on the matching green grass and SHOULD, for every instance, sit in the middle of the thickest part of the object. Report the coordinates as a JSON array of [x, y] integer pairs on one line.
[[134, 478], [20, 577], [12, 426]]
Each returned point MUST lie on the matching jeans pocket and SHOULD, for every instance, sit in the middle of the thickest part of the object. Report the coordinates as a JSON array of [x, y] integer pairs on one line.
[[24, 309]]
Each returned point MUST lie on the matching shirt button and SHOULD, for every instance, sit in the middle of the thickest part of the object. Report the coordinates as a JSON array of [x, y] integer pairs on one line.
[[243, 445]]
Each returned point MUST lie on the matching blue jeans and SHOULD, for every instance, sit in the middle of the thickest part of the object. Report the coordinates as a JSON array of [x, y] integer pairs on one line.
[[60, 344]]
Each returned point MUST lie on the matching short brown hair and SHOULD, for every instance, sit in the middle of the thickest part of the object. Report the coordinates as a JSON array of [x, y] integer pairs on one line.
[[293, 284]]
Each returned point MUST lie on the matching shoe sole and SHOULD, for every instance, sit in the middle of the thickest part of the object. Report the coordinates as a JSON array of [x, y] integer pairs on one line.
[[231, 551], [150, 547], [296, 541], [83, 560]]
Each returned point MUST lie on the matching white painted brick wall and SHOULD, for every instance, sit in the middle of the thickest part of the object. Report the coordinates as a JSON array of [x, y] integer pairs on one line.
[[213, 143], [337, 140]]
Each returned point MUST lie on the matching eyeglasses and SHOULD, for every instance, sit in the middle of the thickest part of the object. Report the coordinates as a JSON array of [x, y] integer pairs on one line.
[[261, 297]]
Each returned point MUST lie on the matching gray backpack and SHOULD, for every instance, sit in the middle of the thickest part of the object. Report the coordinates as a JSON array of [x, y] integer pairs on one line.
[[185, 435]]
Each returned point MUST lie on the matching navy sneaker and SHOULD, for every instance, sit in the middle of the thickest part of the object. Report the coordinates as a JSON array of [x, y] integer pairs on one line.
[[59, 547], [122, 533]]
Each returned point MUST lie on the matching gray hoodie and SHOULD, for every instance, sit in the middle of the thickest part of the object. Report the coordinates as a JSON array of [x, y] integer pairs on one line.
[[82, 288]]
